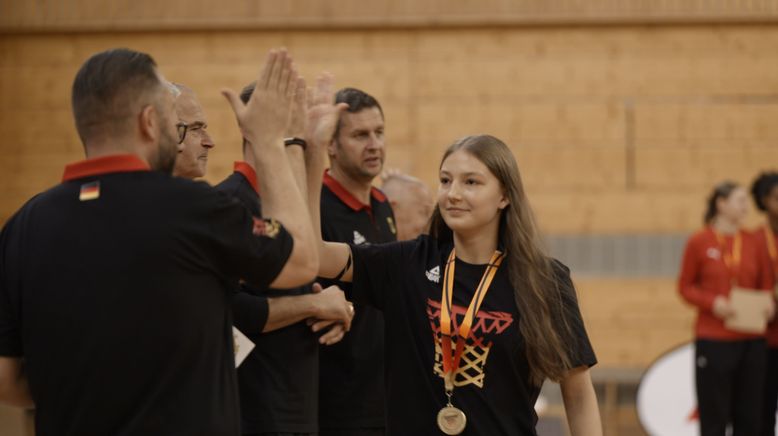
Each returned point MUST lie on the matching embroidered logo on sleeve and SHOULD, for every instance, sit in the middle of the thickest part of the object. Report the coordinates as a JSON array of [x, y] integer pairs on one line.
[[266, 227], [433, 275], [89, 191], [359, 239]]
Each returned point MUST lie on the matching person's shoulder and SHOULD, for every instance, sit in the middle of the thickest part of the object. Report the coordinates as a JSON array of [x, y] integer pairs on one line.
[[429, 247], [559, 268], [755, 239], [701, 236], [47, 198], [22, 212], [231, 183], [192, 195]]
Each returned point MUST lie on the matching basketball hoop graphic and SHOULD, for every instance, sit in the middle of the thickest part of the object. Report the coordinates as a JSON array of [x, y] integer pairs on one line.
[[471, 368]]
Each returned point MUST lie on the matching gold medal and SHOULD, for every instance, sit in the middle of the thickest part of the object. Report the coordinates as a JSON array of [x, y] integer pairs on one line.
[[451, 420]]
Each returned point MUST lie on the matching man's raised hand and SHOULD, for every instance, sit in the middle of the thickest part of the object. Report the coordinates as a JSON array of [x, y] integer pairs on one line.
[[264, 119], [323, 113]]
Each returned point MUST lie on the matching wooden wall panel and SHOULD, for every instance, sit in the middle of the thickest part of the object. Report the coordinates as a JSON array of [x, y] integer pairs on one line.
[[616, 129], [42, 15], [750, 123], [678, 167], [631, 322]]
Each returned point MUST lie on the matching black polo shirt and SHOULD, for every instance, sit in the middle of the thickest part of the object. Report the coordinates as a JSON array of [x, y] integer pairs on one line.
[[404, 281], [115, 288], [278, 380], [351, 377]]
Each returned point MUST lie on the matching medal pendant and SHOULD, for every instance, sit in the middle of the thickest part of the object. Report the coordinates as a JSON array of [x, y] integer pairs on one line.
[[451, 420]]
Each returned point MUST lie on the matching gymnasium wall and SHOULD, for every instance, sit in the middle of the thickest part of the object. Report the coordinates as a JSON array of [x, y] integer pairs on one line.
[[621, 118]]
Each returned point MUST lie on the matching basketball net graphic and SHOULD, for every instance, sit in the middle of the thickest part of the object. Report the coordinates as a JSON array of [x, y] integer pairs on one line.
[[471, 368]]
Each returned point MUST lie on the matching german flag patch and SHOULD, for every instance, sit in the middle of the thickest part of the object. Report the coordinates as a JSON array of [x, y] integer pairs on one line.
[[89, 191], [266, 227]]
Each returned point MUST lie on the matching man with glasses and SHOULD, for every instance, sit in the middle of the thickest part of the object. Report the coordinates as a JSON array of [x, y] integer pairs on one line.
[[278, 380], [115, 286], [193, 139]]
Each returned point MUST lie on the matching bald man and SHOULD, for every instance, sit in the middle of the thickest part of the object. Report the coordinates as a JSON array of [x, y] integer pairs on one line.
[[194, 145], [411, 202]]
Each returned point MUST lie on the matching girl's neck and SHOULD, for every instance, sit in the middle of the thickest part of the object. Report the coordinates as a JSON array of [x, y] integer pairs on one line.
[[477, 247], [725, 226]]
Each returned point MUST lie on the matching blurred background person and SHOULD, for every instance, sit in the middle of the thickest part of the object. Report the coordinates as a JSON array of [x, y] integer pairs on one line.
[[730, 365], [764, 191], [411, 202]]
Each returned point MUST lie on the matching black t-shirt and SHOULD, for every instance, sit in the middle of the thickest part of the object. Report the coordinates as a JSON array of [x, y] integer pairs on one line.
[[404, 280], [115, 288], [351, 377], [278, 380]]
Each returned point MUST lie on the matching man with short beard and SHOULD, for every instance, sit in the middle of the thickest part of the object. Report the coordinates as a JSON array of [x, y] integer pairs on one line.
[[351, 373], [115, 285]]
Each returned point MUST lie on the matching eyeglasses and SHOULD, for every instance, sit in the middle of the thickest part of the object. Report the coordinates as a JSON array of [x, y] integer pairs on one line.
[[182, 127]]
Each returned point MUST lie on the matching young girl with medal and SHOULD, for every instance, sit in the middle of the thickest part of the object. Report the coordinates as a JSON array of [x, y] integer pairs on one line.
[[765, 194], [729, 363], [476, 315]]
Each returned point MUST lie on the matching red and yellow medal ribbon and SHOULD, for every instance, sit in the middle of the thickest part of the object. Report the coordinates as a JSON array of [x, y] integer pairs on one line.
[[451, 363], [731, 258]]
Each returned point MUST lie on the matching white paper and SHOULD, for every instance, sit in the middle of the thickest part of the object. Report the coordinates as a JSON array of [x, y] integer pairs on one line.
[[750, 309], [241, 345]]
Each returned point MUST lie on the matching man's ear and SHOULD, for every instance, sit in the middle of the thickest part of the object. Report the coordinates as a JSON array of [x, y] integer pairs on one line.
[[331, 147], [148, 124]]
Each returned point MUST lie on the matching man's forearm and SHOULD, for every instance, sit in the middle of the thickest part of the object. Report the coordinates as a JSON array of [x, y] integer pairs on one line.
[[296, 157], [285, 311], [281, 197]]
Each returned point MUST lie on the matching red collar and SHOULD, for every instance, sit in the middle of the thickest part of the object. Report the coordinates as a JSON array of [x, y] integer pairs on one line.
[[346, 196], [248, 173], [117, 163]]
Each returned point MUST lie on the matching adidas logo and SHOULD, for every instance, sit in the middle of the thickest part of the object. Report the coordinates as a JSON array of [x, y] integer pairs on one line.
[[433, 275], [359, 239]]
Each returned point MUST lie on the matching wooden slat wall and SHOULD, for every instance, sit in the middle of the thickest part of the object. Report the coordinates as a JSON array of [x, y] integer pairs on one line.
[[616, 129], [632, 322], [20, 15]]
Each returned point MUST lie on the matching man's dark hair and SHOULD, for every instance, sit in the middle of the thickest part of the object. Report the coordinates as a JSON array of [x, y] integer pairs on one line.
[[107, 87], [357, 101], [762, 186]]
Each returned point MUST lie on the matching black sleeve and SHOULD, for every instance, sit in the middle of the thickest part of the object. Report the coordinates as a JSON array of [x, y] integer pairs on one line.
[[10, 257], [376, 271], [243, 246], [581, 353], [249, 312]]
